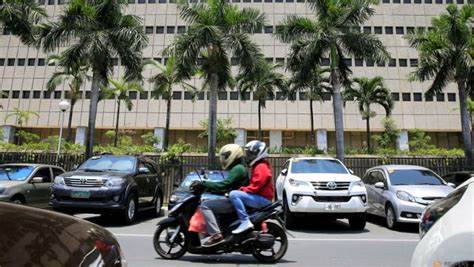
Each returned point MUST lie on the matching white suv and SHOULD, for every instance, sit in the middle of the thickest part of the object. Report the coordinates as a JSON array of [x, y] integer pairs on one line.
[[324, 186]]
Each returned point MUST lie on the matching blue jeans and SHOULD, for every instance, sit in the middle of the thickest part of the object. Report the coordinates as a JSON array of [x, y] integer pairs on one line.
[[240, 199]]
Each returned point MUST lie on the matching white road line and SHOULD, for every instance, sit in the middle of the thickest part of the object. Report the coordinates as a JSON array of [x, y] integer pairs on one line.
[[307, 239]]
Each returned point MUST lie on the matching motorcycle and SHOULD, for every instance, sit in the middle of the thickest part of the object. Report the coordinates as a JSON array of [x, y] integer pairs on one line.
[[267, 242]]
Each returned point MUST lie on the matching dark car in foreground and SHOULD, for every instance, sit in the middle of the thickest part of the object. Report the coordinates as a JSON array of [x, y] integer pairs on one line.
[[182, 192], [35, 237], [109, 184]]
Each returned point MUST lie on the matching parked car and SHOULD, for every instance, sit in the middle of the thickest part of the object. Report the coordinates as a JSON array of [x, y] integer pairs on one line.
[[182, 192], [27, 183], [400, 193], [324, 186], [457, 178], [35, 237], [105, 184], [447, 231]]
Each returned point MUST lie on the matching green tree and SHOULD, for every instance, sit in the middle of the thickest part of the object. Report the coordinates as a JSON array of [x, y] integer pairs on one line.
[[217, 31], [21, 117], [446, 55], [315, 85], [75, 75], [21, 17], [163, 84], [96, 32], [225, 132], [470, 109], [119, 90], [419, 140], [387, 139], [367, 92], [333, 33], [263, 82]]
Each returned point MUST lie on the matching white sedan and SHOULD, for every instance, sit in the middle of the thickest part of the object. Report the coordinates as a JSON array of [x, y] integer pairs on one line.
[[447, 231]]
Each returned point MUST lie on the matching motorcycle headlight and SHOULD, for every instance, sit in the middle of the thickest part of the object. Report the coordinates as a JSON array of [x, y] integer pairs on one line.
[[59, 180], [112, 182], [405, 196], [174, 198], [298, 183]]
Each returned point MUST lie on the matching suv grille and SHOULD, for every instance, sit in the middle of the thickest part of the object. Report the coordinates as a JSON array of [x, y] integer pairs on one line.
[[324, 185], [84, 182]]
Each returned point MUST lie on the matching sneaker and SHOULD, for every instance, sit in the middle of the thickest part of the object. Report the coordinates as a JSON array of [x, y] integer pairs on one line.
[[244, 226], [213, 240]]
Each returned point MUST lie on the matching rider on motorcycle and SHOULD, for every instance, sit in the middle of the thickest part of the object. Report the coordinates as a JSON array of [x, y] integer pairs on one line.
[[260, 191], [232, 159]]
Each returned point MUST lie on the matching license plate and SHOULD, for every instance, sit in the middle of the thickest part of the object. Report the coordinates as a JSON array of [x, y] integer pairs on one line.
[[80, 194], [333, 206]]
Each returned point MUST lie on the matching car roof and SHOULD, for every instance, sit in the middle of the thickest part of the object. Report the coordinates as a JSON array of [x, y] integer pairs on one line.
[[399, 167], [29, 165]]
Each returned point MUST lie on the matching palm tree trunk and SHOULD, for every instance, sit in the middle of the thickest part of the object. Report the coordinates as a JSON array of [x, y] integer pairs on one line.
[[369, 146], [97, 81], [259, 134], [69, 122], [338, 114], [466, 137], [212, 123], [117, 124], [167, 127], [311, 117]]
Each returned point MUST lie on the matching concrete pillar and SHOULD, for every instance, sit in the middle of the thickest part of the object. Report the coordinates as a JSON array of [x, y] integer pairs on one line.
[[275, 139], [322, 139], [402, 140], [241, 138], [81, 135], [8, 134], [159, 132]]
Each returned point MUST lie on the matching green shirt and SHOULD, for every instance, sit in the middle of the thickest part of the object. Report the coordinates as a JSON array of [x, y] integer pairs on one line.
[[238, 176]]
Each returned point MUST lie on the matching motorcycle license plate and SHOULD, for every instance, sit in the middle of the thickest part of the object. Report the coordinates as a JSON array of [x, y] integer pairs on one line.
[[80, 194], [333, 206]]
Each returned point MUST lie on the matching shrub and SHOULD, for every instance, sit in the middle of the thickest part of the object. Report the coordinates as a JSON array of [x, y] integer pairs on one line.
[[419, 140], [388, 139]]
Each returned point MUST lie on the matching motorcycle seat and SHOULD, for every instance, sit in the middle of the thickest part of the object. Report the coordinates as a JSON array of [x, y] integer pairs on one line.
[[270, 206]]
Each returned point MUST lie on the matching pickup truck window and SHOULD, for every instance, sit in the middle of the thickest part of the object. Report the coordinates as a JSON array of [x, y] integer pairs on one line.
[[317, 166]]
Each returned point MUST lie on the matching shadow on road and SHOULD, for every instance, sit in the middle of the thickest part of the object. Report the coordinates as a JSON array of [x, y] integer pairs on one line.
[[404, 228], [112, 221], [224, 259], [321, 225]]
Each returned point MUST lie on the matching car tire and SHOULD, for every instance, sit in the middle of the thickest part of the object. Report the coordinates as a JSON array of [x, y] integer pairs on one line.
[[18, 200], [390, 217], [158, 205], [358, 222], [131, 208], [288, 217]]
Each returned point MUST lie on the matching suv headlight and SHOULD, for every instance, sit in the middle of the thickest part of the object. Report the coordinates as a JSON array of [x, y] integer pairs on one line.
[[298, 183], [356, 184], [405, 196], [114, 182], [59, 180]]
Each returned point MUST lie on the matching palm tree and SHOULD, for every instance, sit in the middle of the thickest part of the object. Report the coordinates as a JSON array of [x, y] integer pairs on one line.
[[20, 17], [334, 33], [315, 85], [218, 31], [75, 75], [96, 32], [446, 55], [262, 83], [119, 90], [470, 109], [368, 92], [163, 83], [21, 116]]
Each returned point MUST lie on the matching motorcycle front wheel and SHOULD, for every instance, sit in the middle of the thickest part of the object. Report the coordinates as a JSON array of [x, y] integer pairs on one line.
[[169, 241], [279, 248]]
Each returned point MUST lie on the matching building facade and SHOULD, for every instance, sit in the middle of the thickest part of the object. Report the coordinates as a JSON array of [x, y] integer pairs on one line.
[[24, 72]]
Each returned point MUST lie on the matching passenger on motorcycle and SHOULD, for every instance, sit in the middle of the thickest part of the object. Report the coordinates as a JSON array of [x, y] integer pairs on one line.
[[260, 191], [232, 158]]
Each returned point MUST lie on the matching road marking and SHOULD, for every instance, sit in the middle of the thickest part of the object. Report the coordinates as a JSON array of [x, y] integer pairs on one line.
[[307, 239]]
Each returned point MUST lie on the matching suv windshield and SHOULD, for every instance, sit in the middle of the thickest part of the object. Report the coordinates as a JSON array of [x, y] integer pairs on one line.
[[317, 166], [15, 173], [211, 176], [414, 177], [109, 163]]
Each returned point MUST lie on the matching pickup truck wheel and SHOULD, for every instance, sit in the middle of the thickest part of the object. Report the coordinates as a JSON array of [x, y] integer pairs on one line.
[[358, 222], [288, 218], [131, 209]]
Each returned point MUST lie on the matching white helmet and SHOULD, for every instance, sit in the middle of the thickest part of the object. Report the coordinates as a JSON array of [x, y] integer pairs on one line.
[[229, 153], [254, 151]]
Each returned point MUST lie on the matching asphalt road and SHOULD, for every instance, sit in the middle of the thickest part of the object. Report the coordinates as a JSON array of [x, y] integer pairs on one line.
[[315, 243]]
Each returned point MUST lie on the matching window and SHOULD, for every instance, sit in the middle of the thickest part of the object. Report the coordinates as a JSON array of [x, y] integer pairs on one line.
[[386, 1], [417, 1], [160, 29], [396, 96], [88, 94], [392, 62], [144, 95], [451, 97], [257, 1], [235, 1], [280, 96], [57, 94], [151, 1], [303, 96], [50, 2], [245, 96], [413, 62], [181, 29], [388, 30], [170, 29], [347, 62], [149, 29], [325, 62], [449, 1], [428, 98], [141, 1], [399, 30], [31, 62], [177, 95], [268, 29], [11, 62], [56, 172], [131, 1], [417, 97], [402, 62], [369, 63], [41, 2], [326, 96], [222, 95], [268, 1], [428, 1], [2, 61], [46, 94], [132, 95], [440, 97], [36, 94], [460, 2], [16, 94], [25, 94], [378, 30], [20, 62], [396, 1], [407, 1], [5, 94], [44, 173], [406, 97], [234, 95], [410, 30], [381, 64], [280, 60], [358, 62], [247, 1], [40, 61], [367, 29], [269, 59], [188, 95], [439, 2]]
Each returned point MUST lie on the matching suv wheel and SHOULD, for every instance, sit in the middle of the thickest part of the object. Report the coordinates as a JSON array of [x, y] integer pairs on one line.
[[358, 222], [288, 218], [131, 209], [158, 205], [390, 217]]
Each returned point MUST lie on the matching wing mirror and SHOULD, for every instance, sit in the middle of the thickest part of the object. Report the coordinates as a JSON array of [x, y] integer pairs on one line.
[[37, 180], [379, 185], [143, 170], [452, 185], [284, 172]]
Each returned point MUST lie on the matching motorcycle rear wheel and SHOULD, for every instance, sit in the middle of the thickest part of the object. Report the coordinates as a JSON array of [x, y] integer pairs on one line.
[[163, 244], [270, 255]]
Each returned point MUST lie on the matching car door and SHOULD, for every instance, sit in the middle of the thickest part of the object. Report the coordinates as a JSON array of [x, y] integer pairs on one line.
[[39, 193], [145, 188], [379, 193], [155, 181], [368, 180], [280, 182]]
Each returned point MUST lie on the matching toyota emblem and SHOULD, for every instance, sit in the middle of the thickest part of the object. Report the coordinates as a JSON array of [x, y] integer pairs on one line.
[[83, 180], [331, 185]]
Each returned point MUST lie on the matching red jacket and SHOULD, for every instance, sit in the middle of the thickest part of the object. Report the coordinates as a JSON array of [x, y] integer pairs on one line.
[[261, 181]]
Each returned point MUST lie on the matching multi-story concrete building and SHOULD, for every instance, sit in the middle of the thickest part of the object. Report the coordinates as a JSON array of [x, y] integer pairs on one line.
[[24, 72]]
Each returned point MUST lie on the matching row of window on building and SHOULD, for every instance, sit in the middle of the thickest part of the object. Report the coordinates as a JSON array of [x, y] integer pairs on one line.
[[232, 95]]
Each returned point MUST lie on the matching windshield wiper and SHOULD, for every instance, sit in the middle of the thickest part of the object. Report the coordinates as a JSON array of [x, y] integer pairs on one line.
[[8, 174], [91, 170]]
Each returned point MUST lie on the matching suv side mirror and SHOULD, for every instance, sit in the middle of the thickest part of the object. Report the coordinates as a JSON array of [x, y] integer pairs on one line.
[[452, 185], [379, 185], [284, 172], [143, 170], [37, 180]]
